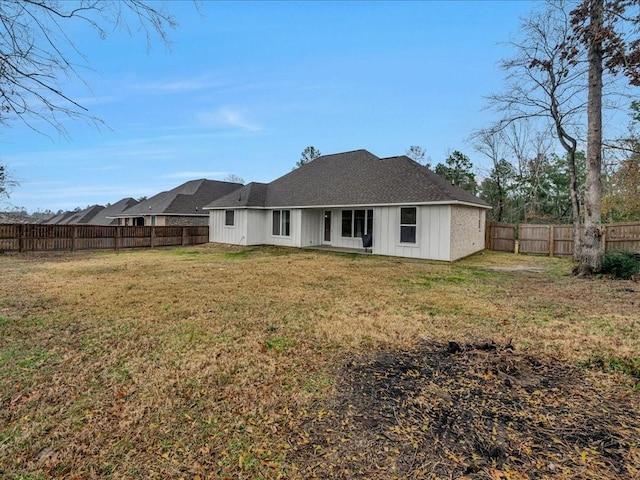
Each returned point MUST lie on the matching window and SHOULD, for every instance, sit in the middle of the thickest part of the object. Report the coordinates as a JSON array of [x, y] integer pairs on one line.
[[357, 223], [281, 223], [408, 225], [347, 223], [229, 218]]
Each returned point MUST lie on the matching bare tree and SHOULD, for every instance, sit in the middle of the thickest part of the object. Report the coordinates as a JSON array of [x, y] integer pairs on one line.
[[234, 179], [36, 53], [542, 82], [418, 154]]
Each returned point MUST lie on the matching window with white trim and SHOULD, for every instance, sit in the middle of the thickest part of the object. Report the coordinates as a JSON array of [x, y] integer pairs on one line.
[[357, 223], [281, 225], [229, 218], [408, 219]]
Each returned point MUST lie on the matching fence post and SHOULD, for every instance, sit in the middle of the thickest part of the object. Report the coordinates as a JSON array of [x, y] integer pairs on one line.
[[603, 239], [551, 240], [184, 231], [117, 239], [21, 235], [487, 235], [74, 235], [153, 235]]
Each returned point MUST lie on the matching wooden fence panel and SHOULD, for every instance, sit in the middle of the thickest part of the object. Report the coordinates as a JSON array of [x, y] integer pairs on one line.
[[562, 240], [41, 237], [557, 240], [623, 236], [534, 239], [501, 237]]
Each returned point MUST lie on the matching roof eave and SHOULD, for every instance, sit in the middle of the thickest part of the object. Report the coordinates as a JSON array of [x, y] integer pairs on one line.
[[353, 205]]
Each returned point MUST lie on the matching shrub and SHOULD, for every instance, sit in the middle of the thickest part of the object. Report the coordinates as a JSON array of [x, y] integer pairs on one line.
[[621, 264]]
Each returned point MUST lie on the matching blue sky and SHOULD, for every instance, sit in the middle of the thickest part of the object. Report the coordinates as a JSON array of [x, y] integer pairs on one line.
[[246, 86]]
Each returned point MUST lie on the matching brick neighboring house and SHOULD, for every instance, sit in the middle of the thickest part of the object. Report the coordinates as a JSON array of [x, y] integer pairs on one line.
[[341, 200], [182, 206]]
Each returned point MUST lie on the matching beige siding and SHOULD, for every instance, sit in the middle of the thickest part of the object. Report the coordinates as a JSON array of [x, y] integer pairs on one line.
[[467, 231], [185, 221]]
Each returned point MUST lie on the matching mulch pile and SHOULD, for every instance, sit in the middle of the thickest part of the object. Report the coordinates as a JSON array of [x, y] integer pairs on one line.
[[470, 412]]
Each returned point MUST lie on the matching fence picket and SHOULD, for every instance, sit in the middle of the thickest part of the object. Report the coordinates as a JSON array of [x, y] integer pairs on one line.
[[42, 237], [557, 240]]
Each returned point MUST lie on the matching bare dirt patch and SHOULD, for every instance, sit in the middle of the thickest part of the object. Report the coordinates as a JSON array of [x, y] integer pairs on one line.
[[471, 411]]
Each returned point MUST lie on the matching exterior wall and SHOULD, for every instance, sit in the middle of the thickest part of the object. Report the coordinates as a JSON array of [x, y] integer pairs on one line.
[[467, 231], [177, 221], [293, 240], [432, 233], [443, 232], [221, 233], [256, 225], [311, 227]]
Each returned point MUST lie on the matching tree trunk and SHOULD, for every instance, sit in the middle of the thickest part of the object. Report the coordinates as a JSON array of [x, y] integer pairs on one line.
[[575, 205], [591, 258]]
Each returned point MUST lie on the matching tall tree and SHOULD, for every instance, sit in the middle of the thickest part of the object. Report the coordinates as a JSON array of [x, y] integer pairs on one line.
[[37, 53], [608, 31], [543, 82], [308, 155], [495, 188], [458, 169], [418, 154]]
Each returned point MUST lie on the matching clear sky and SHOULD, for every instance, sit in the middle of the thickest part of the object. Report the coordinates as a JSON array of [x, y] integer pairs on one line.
[[246, 86]]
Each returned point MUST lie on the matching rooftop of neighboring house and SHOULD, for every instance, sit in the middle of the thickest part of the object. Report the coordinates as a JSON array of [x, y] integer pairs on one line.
[[186, 199], [107, 215]]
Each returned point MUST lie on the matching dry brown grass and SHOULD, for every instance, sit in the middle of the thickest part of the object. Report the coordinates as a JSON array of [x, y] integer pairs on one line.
[[207, 362]]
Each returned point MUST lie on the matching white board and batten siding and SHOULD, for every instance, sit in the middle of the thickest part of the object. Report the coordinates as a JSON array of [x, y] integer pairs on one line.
[[294, 239], [311, 227], [250, 227], [433, 226], [221, 233]]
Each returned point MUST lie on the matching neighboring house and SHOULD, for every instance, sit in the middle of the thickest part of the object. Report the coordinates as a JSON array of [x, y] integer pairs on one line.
[[82, 217], [181, 206], [335, 200], [107, 215], [59, 218]]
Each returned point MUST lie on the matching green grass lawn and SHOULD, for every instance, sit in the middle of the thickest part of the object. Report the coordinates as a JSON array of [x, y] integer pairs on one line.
[[216, 361]]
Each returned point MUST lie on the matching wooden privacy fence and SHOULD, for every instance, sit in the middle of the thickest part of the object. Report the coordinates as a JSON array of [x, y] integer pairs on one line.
[[34, 237], [557, 240]]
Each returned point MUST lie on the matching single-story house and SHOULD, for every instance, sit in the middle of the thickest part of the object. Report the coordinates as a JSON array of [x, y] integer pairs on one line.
[[107, 214], [181, 206], [350, 200]]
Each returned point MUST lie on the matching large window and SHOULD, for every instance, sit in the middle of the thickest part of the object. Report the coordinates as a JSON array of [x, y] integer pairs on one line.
[[281, 223], [356, 223], [408, 225], [229, 218]]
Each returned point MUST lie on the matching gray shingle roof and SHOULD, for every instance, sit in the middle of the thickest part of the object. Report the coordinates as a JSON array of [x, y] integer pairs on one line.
[[186, 199], [105, 216], [356, 178], [83, 216]]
